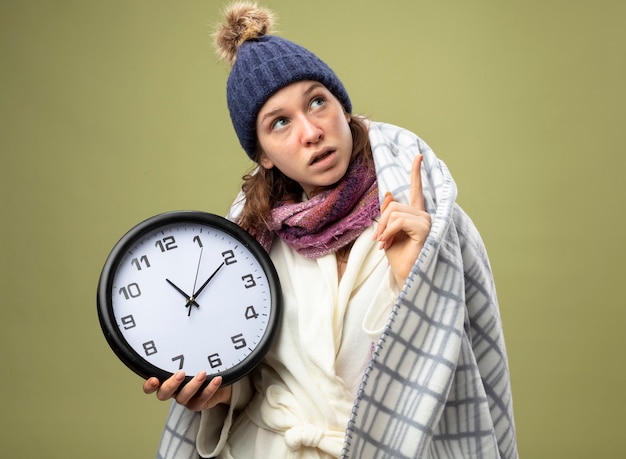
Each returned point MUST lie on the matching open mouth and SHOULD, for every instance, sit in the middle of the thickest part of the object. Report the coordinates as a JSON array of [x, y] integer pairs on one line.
[[323, 156]]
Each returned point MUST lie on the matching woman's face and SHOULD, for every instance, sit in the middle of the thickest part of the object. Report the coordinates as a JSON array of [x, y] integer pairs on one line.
[[303, 131]]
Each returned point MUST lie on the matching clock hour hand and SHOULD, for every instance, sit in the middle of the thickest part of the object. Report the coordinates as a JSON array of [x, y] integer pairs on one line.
[[197, 292], [190, 300]]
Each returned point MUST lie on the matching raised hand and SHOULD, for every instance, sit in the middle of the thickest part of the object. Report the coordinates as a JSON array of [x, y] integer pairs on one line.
[[403, 228]]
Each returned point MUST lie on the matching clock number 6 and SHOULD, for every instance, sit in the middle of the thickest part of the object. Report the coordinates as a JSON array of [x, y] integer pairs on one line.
[[215, 361]]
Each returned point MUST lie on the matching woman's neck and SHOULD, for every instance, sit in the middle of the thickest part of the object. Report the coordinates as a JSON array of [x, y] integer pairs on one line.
[[342, 256]]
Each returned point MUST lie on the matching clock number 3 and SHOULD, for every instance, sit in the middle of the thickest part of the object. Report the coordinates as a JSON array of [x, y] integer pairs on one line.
[[248, 281]]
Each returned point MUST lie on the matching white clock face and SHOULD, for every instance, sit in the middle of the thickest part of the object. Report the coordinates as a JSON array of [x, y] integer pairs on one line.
[[189, 296]]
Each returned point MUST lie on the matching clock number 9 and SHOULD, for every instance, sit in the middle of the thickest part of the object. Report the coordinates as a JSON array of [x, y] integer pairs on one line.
[[128, 322]]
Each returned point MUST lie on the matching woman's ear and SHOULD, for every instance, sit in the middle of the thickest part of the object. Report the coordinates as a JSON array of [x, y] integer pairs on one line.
[[265, 161]]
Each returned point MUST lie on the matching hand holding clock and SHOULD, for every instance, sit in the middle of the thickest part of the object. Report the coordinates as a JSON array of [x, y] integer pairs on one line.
[[191, 396]]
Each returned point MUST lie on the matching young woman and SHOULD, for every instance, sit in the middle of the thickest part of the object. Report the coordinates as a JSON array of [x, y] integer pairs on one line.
[[391, 343]]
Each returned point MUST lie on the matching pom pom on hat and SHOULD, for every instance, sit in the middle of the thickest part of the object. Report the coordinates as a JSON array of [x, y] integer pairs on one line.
[[244, 21], [261, 64]]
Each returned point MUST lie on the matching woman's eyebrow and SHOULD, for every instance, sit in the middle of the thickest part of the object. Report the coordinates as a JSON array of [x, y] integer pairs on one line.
[[310, 89], [270, 114]]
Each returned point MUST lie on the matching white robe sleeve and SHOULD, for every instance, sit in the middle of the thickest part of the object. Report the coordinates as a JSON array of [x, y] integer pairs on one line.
[[215, 423]]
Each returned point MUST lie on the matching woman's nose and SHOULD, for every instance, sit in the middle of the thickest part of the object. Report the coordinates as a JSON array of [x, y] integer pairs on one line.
[[311, 133]]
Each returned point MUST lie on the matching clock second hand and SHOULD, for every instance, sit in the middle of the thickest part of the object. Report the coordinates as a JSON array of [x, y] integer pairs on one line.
[[190, 300]]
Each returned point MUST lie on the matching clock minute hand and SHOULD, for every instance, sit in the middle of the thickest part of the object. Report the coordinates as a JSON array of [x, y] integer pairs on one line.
[[190, 300], [195, 295]]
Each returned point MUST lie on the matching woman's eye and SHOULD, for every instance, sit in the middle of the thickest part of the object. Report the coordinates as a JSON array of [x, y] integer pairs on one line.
[[279, 123], [317, 102]]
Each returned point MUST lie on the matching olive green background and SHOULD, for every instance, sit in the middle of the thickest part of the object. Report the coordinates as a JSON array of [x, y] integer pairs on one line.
[[112, 111]]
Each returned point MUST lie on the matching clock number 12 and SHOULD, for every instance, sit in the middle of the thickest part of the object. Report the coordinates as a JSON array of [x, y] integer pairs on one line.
[[167, 243]]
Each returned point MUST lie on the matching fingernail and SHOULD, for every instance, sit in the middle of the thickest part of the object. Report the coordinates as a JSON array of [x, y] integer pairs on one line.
[[179, 376]]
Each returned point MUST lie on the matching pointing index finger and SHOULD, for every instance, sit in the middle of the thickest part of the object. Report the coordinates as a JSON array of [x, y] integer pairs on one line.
[[417, 195]]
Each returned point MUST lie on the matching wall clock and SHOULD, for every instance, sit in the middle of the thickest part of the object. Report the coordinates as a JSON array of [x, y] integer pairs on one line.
[[191, 291]]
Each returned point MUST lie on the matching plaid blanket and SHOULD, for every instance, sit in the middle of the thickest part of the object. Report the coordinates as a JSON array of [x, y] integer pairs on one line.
[[438, 383]]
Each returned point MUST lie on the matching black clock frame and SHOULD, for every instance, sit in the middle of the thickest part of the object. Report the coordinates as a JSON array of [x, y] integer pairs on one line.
[[108, 322]]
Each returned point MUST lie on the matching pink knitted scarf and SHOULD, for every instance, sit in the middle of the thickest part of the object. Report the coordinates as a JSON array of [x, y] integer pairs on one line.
[[329, 220]]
